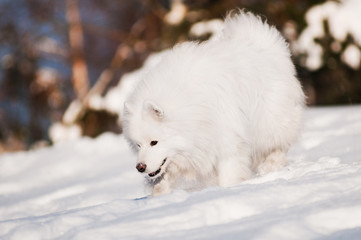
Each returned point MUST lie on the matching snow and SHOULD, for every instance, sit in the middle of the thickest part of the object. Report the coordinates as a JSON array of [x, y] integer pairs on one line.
[[352, 56], [60, 132], [89, 189], [177, 13], [343, 19], [212, 27]]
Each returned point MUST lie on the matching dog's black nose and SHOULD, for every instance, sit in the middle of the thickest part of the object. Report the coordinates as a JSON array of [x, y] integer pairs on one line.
[[141, 167]]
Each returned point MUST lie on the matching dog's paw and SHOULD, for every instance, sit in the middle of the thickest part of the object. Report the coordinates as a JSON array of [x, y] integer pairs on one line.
[[161, 188]]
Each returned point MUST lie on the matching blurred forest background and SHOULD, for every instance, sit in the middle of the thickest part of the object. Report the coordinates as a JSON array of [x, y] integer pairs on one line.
[[55, 55]]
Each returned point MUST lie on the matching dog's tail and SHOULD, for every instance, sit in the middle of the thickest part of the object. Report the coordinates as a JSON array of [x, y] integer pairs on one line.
[[246, 27]]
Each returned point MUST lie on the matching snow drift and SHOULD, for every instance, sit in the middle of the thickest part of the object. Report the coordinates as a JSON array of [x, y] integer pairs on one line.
[[89, 189]]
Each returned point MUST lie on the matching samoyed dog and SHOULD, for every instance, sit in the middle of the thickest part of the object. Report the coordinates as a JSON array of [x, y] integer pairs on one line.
[[216, 112]]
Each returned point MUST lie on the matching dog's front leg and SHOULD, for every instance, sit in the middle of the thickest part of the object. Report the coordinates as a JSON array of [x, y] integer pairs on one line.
[[163, 186], [166, 183]]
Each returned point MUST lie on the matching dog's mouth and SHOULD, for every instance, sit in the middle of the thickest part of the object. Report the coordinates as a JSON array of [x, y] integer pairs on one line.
[[155, 173]]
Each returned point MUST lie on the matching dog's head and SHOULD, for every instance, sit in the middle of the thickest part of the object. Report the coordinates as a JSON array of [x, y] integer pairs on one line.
[[147, 130]]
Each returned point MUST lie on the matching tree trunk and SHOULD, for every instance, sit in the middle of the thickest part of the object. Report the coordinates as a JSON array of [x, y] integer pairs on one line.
[[80, 72]]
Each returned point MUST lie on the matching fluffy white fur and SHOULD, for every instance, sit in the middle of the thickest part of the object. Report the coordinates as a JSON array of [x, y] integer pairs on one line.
[[221, 111]]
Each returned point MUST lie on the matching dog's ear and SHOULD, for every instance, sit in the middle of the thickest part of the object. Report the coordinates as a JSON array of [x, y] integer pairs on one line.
[[152, 108], [127, 110]]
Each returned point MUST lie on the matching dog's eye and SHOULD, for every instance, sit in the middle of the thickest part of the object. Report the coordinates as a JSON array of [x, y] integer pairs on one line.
[[138, 145], [153, 143]]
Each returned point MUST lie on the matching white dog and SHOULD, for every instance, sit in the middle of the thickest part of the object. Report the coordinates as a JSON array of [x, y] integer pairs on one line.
[[216, 112]]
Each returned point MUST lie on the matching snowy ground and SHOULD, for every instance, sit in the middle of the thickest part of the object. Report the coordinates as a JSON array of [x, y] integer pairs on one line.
[[89, 189]]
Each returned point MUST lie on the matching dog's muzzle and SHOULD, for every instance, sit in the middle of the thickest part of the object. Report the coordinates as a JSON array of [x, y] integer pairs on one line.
[[153, 174]]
